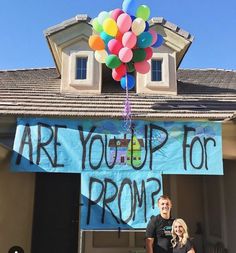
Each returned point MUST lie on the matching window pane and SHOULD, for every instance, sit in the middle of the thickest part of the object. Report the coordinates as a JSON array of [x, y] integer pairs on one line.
[[81, 67], [156, 70]]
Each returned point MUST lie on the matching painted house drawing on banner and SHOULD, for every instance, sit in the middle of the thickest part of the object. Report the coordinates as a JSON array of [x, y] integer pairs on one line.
[[124, 147], [62, 127]]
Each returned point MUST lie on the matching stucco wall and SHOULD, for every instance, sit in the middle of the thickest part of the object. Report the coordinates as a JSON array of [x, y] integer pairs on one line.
[[16, 208], [190, 206], [230, 203]]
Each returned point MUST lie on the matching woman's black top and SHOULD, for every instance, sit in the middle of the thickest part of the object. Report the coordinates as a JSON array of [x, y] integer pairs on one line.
[[188, 246]]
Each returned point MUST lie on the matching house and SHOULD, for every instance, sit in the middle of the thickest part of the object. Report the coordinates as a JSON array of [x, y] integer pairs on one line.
[[134, 151], [123, 147], [40, 212]]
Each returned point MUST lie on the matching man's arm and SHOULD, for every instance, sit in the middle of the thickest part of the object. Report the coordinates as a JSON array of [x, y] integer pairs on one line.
[[149, 245]]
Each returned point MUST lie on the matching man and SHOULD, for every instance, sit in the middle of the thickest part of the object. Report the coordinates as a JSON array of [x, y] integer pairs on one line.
[[158, 232]]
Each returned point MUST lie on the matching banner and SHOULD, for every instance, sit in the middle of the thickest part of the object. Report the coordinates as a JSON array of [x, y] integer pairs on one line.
[[75, 146], [120, 199]]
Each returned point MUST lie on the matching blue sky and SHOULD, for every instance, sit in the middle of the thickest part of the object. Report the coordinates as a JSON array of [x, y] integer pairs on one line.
[[212, 22]]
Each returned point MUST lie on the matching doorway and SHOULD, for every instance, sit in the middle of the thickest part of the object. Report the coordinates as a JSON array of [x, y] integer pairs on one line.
[[56, 213]]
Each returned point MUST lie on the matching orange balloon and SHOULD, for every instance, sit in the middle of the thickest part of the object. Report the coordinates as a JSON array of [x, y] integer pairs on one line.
[[119, 36], [96, 42]]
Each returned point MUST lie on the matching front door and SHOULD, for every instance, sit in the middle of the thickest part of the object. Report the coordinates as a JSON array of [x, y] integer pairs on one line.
[[56, 213]]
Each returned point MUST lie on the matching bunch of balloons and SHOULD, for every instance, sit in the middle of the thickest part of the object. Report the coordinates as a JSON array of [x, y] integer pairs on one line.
[[124, 42]]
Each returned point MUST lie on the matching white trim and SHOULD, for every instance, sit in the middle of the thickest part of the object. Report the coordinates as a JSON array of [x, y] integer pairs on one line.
[[89, 81], [165, 82]]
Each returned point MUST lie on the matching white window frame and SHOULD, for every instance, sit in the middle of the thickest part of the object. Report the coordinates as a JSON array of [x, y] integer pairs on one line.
[[165, 82], [88, 82]]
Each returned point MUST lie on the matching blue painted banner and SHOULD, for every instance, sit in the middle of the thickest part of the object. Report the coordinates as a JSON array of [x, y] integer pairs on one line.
[[75, 146], [115, 199]]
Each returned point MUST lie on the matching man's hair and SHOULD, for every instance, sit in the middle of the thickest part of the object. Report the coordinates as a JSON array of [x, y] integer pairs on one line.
[[163, 197]]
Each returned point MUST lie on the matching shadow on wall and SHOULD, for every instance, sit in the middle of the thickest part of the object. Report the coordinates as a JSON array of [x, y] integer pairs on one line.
[[216, 248]]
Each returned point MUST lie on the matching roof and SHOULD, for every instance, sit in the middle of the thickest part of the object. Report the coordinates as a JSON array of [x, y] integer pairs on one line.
[[85, 18], [67, 32], [202, 94]]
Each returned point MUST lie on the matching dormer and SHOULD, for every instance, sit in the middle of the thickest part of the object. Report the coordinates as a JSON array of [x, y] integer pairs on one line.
[[82, 74]]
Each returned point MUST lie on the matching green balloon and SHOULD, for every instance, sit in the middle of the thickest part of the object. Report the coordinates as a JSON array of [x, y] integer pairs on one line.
[[112, 61], [143, 12], [139, 55], [130, 67], [97, 26]]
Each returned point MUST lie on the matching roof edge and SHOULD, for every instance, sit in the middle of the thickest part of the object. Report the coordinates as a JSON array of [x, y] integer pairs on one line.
[[171, 26], [69, 22]]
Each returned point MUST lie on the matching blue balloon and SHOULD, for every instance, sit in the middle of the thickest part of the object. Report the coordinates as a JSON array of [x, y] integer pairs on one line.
[[144, 40], [132, 17], [130, 7], [147, 26], [159, 41], [130, 82], [106, 37]]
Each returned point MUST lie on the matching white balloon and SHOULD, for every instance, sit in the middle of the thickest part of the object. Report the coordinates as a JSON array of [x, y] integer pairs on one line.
[[102, 16], [101, 55], [138, 26]]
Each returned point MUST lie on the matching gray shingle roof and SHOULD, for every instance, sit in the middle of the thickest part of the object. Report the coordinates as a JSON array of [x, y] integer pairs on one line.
[[202, 94]]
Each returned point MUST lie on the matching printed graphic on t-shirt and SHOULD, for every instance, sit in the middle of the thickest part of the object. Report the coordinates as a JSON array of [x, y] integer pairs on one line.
[[167, 231]]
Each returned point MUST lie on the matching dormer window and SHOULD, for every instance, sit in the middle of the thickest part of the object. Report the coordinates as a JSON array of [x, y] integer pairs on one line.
[[156, 70], [162, 76], [81, 68]]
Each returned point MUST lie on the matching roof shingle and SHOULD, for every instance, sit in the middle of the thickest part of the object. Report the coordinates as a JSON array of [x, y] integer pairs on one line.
[[202, 94]]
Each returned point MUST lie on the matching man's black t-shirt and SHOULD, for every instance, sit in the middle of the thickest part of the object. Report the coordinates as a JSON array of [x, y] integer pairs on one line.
[[160, 229], [183, 249]]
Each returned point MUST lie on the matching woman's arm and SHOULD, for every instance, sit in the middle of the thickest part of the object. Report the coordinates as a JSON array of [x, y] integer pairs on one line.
[[191, 251]]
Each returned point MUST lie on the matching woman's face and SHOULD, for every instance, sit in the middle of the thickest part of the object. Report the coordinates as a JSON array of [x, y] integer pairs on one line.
[[178, 229]]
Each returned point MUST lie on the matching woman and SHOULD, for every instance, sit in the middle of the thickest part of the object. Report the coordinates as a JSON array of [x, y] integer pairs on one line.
[[181, 242]]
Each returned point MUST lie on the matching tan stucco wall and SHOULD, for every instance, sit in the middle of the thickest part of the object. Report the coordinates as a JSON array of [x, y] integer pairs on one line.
[[229, 140], [89, 88], [190, 207], [16, 208], [169, 84]]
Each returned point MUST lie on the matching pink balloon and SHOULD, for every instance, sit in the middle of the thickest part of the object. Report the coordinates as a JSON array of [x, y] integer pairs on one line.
[[129, 39], [149, 53], [124, 22], [125, 54], [154, 36], [116, 13], [142, 67], [114, 46]]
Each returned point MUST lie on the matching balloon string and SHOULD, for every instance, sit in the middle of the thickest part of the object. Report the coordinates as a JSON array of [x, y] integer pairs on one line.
[[127, 109]]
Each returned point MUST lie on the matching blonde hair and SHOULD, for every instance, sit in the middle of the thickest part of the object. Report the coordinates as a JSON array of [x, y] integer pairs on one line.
[[182, 241]]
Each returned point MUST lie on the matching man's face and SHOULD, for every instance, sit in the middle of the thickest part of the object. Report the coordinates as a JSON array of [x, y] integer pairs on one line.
[[164, 206]]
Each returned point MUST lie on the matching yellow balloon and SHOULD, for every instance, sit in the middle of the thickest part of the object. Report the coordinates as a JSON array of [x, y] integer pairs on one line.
[[110, 27], [138, 26], [101, 55]]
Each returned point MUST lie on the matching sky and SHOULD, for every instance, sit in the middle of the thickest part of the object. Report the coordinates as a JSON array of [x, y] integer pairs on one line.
[[211, 22]]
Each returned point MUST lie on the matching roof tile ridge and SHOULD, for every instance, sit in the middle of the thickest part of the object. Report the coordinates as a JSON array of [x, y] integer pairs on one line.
[[26, 69], [207, 69]]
